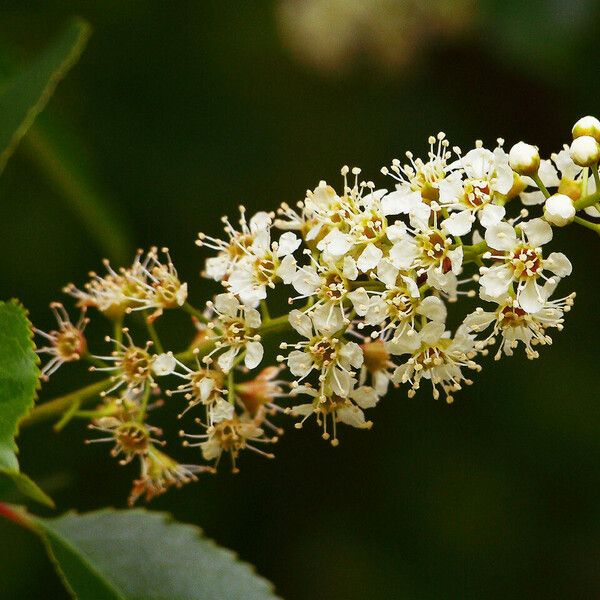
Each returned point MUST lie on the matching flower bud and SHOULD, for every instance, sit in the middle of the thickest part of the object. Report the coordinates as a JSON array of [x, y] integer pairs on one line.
[[587, 126], [524, 159], [559, 210], [585, 151]]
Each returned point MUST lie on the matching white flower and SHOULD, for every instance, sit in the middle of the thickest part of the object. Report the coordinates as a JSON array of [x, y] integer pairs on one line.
[[516, 325], [230, 435], [132, 366], [157, 285], [265, 263], [333, 358], [429, 250], [235, 331], [67, 344], [487, 176], [585, 151], [524, 159], [233, 249], [419, 181], [346, 409], [436, 357], [559, 210], [520, 259], [587, 126]]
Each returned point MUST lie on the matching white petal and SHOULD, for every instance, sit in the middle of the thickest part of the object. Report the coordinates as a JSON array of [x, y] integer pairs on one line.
[[328, 318], [259, 221], [403, 253], [349, 269], [226, 359], [396, 231], [387, 273], [501, 236], [496, 280], [529, 298], [558, 264], [479, 320], [432, 332], [365, 396], [360, 300], [287, 269], [400, 202], [491, 214], [221, 411], [538, 232], [306, 281], [299, 363], [459, 223], [433, 308], [532, 198], [353, 416], [227, 304], [456, 259], [164, 364], [411, 286], [369, 258], [301, 323], [352, 353], [252, 318], [288, 243], [254, 354]]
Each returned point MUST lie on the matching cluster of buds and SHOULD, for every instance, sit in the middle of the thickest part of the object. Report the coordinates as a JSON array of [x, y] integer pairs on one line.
[[370, 273]]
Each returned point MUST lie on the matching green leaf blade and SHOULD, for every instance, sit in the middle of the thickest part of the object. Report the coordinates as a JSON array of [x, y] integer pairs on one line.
[[25, 95], [19, 382], [19, 377], [142, 555]]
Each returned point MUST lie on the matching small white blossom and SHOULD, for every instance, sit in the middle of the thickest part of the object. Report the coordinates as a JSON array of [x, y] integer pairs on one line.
[[524, 159], [520, 259], [559, 210]]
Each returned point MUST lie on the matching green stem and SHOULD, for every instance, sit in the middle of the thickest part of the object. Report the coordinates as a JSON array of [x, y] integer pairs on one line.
[[154, 336], [118, 330], [194, 312], [540, 184], [474, 252], [587, 224], [63, 403], [587, 201], [596, 176], [144, 405]]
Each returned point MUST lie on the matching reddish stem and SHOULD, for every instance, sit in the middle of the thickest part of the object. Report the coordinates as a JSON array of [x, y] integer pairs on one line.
[[15, 516]]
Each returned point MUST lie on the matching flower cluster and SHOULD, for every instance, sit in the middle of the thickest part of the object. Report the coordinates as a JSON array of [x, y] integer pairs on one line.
[[370, 272]]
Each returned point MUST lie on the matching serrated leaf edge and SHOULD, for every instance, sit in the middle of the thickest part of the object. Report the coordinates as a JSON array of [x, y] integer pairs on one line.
[[45, 537], [169, 519]]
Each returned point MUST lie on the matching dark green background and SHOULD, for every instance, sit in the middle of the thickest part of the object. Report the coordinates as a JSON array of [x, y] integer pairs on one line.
[[182, 111]]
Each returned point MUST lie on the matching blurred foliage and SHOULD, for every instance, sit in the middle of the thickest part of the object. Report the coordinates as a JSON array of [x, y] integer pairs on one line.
[[183, 110]]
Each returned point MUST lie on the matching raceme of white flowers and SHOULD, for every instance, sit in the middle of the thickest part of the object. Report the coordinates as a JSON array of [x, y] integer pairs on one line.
[[369, 271]]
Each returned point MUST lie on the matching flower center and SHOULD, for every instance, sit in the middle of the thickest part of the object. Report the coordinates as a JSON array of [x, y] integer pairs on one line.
[[526, 262], [476, 193]]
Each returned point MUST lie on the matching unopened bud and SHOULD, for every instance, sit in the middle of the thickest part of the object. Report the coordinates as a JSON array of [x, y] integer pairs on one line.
[[585, 151], [524, 159], [559, 210], [587, 126]]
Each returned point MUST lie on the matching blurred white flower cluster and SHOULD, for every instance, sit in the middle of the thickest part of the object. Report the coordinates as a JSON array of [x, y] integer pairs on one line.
[[371, 273], [330, 35]]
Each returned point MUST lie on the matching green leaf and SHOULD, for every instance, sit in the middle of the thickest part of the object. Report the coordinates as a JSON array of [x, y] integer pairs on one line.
[[16, 488], [142, 555], [24, 96], [19, 381]]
